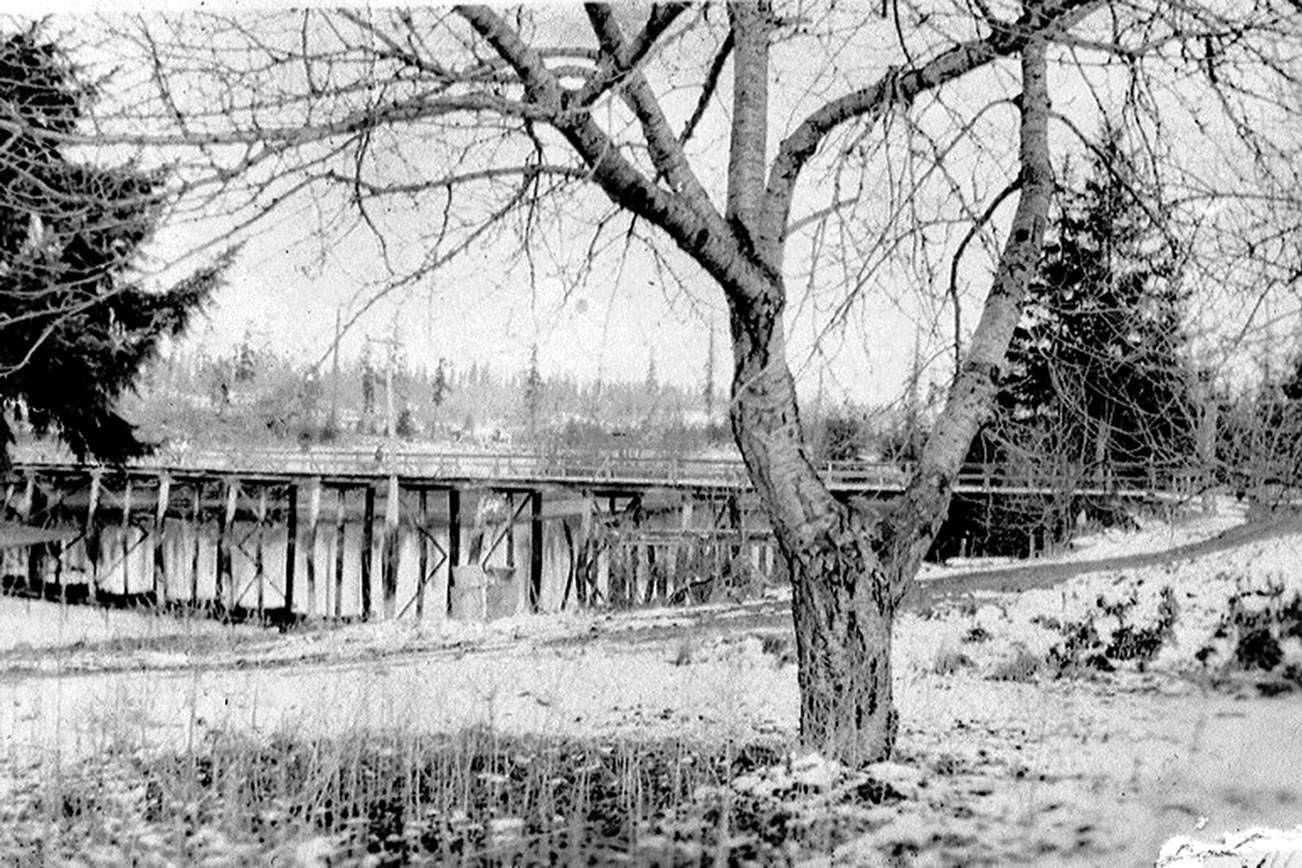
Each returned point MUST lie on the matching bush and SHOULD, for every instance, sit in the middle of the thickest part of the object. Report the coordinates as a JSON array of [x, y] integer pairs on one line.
[[1256, 635], [1083, 646], [1021, 667]]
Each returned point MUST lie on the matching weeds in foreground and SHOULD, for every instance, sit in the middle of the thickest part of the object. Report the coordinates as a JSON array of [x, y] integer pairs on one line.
[[474, 798], [1022, 667], [948, 661]]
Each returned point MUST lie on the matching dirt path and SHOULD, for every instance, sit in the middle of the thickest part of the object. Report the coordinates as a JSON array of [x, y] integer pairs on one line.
[[1043, 575], [775, 614]]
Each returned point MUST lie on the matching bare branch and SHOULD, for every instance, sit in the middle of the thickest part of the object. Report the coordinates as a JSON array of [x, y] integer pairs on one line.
[[899, 87]]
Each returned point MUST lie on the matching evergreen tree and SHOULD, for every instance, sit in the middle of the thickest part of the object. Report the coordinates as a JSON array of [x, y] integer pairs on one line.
[[369, 379], [533, 387], [1096, 373], [440, 387], [652, 383], [75, 331]]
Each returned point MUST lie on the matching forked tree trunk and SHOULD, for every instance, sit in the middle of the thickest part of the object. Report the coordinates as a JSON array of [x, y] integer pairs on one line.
[[848, 568], [842, 603]]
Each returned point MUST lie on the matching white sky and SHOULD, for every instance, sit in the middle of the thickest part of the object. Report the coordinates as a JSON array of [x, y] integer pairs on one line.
[[285, 288]]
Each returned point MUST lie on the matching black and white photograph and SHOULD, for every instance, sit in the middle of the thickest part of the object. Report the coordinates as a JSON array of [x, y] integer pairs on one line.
[[753, 433]]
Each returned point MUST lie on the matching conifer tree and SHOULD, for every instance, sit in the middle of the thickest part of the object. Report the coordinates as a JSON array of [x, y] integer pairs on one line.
[[1096, 371], [533, 387], [75, 327]]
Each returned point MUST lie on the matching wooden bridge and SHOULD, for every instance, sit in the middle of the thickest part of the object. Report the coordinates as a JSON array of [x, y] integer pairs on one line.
[[619, 472], [289, 533]]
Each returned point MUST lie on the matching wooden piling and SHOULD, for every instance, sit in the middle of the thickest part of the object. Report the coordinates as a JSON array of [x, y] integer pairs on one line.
[[341, 517], [29, 498], [583, 565], [368, 540], [259, 564], [291, 546], [126, 536], [225, 519], [160, 517], [390, 549], [535, 550], [196, 524], [454, 541], [422, 524], [35, 553], [509, 530], [313, 520]]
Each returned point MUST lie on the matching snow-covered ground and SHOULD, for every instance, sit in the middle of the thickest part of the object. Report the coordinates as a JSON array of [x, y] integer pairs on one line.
[[1153, 534], [28, 624], [1099, 768]]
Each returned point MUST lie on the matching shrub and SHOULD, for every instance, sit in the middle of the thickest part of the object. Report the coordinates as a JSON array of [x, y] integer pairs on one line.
[[948, 662], [1022, 667], [1083, 647], [1256, 635]]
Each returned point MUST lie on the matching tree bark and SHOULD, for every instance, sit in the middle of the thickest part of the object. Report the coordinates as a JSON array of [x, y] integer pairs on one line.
[[849, 569]]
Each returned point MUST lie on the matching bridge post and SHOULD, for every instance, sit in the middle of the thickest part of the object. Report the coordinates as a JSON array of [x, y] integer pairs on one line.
[[583, 573], [291, 547], [313, 522], [422, 549], [196, 521], [225, 573], [160, 519], [126, 537], [368, 541], [535, 550], [341, 517], [90, 534], [35, 553], [390, 548], [259, 564], [509, 530], [454, 543]]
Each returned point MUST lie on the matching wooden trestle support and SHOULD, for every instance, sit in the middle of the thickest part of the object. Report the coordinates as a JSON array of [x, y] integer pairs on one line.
[[283, 548]]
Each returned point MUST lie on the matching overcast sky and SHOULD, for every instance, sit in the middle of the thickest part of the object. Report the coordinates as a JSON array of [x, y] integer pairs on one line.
[[287, 287]]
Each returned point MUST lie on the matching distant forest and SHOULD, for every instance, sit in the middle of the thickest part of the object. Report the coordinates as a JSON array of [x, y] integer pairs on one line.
[[256, 395]]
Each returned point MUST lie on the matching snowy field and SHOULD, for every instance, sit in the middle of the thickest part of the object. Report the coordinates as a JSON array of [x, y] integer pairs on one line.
[[1085, 723]]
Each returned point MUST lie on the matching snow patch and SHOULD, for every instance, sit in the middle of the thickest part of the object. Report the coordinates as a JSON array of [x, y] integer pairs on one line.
[[1254, 846]]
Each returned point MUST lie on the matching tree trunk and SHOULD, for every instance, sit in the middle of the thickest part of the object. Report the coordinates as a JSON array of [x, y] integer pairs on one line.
[[848, 568], [842, 600]]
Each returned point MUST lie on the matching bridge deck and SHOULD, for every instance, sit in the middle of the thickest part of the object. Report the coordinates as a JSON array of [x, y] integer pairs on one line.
[[610, 472]]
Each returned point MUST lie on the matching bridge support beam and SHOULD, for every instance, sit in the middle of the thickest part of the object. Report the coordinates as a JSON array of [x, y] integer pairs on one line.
[[291, 546], [368, 543], [535, 550], [389, 548], [225, 568], [196, 526], [159, 577], [341, 518], [313, 525], [454, 543], [126, 536]]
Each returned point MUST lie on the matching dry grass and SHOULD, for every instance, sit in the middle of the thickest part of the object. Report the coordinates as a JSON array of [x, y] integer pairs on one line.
[[473, 798], [1023, 666]]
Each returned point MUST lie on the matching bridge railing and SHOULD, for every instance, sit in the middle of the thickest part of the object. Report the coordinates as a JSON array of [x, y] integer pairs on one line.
[[640, 469]]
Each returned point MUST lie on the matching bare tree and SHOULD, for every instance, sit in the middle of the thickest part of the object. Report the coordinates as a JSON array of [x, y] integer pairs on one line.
[[479, 124]]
